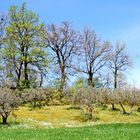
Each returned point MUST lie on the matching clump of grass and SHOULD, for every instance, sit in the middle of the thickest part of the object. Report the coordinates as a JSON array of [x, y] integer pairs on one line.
[[87, 117], [104, 107]]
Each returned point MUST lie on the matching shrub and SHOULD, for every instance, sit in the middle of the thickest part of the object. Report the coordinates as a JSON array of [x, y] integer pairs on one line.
[[8, 102], [86, 98], [34, 96]]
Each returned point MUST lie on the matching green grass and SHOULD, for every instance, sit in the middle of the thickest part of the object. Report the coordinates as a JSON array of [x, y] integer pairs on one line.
[[96, 132]]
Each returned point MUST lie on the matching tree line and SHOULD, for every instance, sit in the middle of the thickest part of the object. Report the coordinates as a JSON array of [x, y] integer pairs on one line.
[[31, 49]]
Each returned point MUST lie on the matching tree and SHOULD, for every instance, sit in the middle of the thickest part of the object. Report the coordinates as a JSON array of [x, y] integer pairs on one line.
[[95, 54], [133, 96], [24, 51], [8, 102], [62, 41], [86, 98], [118, 62]]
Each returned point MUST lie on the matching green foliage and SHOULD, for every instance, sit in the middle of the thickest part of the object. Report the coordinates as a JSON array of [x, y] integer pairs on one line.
[[138, 110], [24, 50], [81, 82], [25, 84], [86, 117]]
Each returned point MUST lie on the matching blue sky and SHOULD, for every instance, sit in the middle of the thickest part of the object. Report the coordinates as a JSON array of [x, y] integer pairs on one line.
[[113, 20]]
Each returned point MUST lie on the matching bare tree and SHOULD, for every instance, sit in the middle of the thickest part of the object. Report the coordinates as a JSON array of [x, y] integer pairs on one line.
[[62, 41], [118, 62], [95, 54], [86, 98]]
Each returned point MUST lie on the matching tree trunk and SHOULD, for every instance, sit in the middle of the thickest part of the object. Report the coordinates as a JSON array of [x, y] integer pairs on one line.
[[62, 85], [90, 113], [115, 86], [124, 112], [131, 108], [18, 81], [4, 120], [113, 106], [26, 71], [115, 79], [19, 75], [90, 79], [63, 79], [27, 85], [26, 78], [41, 79]]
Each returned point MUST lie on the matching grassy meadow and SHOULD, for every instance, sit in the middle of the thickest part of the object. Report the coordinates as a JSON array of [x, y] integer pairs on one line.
[[66, 116], [68, 123], [97, 132]]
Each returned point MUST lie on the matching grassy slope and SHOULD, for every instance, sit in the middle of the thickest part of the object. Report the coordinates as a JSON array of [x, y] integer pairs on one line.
[[60, 116], [97, 132]]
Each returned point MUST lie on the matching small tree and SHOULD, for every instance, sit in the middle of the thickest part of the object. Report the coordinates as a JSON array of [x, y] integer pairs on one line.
[[122, 99], [118, 63], [103, 96], [8, 102], [86, 97], [133, 97]]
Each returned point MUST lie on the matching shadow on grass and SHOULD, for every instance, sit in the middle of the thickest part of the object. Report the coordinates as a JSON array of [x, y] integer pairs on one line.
[[115, 109], [10, 124], [74, 108]]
